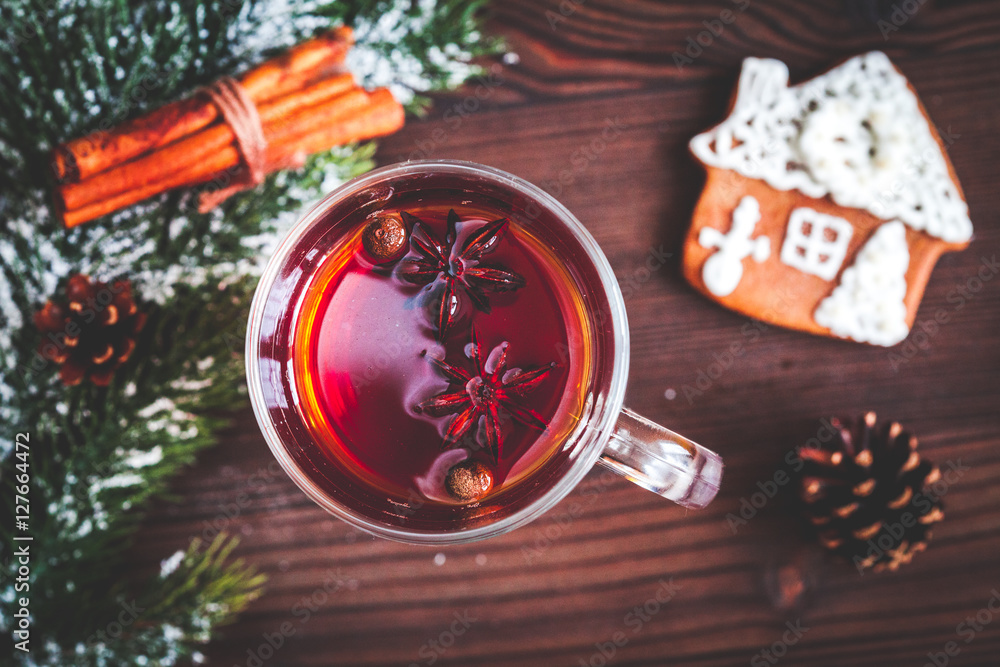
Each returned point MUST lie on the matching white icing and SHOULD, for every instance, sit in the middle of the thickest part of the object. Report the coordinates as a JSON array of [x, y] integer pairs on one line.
[[868, 305], [807, 246], [855, 133], [723, 271]]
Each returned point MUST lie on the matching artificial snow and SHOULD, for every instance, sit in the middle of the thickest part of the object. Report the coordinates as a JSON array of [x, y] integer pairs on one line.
[[169, 565]]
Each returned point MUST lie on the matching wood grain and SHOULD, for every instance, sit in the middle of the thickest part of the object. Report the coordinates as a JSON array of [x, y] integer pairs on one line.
[[551, 593]]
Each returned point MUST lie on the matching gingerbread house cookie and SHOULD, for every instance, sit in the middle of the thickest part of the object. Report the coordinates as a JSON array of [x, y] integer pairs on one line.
[[827, 203]]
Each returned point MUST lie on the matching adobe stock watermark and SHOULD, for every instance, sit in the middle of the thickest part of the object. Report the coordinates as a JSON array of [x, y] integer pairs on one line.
[[751, 505], [585, 155], [231, 510], [385, 360], [901, 14], [632, 281], [127, 616], [414, 503], [566, 9], [558, 523], [967, 631], [722, 362], [696, 45], [890, 535], [924, 331], [434, 648], [635, 620], [482, 89], [302, 610], [770, 655], [751, 331], [579, 161]]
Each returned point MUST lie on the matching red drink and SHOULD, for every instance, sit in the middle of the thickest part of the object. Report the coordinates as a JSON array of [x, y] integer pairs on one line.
[[473, 347], [366, 340]]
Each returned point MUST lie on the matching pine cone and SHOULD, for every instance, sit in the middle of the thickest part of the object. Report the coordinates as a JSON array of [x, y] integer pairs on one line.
[[867, 493], [93, 332]]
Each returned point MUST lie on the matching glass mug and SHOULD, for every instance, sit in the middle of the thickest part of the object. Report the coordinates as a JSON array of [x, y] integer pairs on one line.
[[601, 430]]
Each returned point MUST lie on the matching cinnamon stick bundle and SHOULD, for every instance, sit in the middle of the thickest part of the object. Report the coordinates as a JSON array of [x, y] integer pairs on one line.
[[304, 101]]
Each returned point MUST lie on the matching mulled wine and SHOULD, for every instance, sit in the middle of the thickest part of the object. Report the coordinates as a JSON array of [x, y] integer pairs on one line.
[[438, 346], [409, 368]]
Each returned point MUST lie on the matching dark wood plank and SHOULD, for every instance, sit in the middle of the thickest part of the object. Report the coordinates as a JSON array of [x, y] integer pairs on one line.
[[553, 592]]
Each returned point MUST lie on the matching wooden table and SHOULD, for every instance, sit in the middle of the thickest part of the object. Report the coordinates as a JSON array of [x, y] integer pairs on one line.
[[561, 591]]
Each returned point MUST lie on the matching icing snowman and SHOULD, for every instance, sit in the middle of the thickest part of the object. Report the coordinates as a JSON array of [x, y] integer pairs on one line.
[[723, 271]]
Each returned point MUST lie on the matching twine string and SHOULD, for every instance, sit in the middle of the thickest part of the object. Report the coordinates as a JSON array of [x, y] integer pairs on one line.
[[240, 113]]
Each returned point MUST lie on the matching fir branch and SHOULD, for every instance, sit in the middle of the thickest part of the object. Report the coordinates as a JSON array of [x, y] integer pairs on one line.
[[196, 592], [100, 454], [414, 47]]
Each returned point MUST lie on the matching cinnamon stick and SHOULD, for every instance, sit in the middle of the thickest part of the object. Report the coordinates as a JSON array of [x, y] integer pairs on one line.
[[354, 116], [276, 112], [382, 115], [156, 166], [300, 65], [278, 77], [214, 163], [95, 152]]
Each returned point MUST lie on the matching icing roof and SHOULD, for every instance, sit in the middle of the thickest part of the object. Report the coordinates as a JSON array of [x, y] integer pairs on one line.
[[855, 133]]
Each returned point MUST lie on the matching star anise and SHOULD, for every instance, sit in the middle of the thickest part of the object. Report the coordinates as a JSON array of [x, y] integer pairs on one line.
[[432, 262], [486, 393]]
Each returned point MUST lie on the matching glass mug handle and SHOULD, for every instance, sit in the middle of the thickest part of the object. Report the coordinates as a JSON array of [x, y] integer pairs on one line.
[[662, 461]]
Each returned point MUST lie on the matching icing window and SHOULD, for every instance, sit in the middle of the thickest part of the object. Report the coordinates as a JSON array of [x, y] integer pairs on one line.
[[816, 243]]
